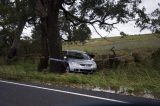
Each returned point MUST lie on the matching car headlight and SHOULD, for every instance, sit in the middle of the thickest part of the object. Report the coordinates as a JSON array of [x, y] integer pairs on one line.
[[94, 65], [74, 64]]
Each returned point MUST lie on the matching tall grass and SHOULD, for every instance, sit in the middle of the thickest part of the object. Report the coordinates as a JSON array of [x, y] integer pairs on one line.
[[137, 77]]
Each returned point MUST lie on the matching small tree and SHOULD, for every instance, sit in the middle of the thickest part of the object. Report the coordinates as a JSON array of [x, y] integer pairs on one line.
[[123, 35], [82, 33]]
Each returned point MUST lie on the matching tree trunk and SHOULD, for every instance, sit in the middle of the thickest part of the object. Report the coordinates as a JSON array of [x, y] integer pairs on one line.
[[43, 64], [15, 45], [69, 33], [55, 44]]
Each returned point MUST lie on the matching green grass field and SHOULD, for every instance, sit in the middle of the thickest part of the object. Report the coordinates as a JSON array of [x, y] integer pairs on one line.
[[136, 77], [103, 46]]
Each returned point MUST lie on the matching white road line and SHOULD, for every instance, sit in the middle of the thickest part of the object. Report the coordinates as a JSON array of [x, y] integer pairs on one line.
[[61, 91]]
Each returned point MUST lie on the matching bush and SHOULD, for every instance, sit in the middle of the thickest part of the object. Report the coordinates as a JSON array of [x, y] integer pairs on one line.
[[156, 59], [137, 57]]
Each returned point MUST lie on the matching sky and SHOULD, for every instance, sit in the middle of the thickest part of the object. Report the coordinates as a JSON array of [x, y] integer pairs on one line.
[[128, 28]]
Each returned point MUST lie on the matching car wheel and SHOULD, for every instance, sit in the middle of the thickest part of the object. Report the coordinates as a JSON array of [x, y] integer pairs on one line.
[[91, 72], [67, 69]]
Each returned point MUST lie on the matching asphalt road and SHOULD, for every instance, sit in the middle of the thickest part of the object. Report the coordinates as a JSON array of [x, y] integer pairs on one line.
[[21, 94]]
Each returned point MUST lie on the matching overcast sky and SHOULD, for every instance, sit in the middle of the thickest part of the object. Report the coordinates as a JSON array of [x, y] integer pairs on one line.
[[129, 28]]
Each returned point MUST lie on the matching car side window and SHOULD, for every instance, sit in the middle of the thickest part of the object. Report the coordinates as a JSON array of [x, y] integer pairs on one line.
[[74, 55]]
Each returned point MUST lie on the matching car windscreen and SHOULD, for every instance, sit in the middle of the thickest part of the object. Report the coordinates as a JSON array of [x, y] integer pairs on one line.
[[75, 55]]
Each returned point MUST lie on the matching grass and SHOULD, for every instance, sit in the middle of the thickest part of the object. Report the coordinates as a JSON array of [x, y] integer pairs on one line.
[[145, 43], [136, 77]]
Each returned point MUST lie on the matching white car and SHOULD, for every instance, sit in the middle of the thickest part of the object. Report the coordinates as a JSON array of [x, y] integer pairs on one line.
[[79, 61]]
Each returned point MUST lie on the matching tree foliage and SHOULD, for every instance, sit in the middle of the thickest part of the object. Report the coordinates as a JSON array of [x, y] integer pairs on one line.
[[82, 33], [155, 25], [105, 13], [150, 21]]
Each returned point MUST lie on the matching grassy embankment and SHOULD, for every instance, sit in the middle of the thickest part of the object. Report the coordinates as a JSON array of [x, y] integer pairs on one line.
[[136, 77]]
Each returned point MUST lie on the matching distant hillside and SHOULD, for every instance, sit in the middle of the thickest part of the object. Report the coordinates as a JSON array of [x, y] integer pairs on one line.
[[127, 44]]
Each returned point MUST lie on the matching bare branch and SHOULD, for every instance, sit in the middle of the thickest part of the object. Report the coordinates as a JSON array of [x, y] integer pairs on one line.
[[97, 32], [67, 14]]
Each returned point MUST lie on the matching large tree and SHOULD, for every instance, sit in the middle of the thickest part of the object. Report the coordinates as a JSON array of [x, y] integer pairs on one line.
[[14, 15]]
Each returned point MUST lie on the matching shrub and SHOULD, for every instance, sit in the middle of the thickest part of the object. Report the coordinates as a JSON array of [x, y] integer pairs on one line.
[[156, 59]]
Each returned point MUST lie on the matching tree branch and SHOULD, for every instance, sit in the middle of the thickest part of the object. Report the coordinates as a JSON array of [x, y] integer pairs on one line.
[[97, 32], [67, 13]]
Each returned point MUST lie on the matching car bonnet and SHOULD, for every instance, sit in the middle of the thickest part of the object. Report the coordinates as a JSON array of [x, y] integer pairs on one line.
[[81, 61]]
